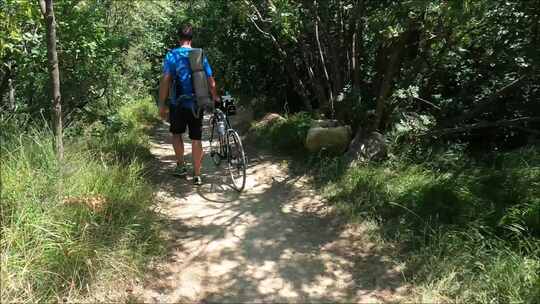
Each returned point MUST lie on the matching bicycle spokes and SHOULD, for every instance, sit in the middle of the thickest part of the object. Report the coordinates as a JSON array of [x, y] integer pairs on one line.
[[237, 161]]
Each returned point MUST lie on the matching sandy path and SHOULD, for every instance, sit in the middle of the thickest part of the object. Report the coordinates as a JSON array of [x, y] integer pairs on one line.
[[276, 242]]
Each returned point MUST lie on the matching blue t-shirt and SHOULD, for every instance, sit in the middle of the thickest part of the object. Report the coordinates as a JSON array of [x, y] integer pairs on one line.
[[176, 64]]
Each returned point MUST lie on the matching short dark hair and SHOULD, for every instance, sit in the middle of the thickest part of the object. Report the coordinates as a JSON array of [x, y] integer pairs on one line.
[[186, 32]]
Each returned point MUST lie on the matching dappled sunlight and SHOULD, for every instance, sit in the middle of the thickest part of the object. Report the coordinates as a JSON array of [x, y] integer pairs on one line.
[[276, 241]]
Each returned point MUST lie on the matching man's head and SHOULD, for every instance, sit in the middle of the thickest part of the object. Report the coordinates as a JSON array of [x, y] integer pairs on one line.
[[185, 33]]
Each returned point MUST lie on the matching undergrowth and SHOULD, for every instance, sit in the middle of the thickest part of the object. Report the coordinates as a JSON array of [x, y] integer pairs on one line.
[[66, 226]]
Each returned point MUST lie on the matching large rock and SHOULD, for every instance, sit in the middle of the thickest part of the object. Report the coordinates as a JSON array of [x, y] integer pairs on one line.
[[266, 122], [367, 147], [243, 119], [325, 123], [333, 139], [269, 119]]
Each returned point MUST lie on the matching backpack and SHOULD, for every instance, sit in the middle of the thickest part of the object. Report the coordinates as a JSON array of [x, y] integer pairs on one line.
[[199, 81]]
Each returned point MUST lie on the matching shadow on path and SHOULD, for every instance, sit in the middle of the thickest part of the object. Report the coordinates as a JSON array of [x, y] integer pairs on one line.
[[275, 242]]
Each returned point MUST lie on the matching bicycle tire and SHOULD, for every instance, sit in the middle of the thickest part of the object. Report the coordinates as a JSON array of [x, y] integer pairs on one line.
[[215, 145], [236, 159]]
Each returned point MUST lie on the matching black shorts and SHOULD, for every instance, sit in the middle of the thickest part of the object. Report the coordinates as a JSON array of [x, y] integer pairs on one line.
[[180, 117]]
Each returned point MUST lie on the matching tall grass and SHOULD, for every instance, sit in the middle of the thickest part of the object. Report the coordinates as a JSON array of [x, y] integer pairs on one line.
[[469, 233], [64, 227]]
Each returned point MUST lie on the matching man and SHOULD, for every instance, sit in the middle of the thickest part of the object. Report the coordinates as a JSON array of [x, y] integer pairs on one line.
[[182, 108]]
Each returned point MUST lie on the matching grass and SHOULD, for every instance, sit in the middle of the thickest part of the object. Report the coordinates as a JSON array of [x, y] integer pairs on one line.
[[70, 226], [470, 233], [468, 229]]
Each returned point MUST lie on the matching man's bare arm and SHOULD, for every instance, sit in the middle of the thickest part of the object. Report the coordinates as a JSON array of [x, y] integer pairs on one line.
[[164, 85], [213, 88]]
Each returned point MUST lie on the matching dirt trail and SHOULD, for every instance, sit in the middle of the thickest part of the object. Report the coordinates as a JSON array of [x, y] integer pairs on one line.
[[276, 242]]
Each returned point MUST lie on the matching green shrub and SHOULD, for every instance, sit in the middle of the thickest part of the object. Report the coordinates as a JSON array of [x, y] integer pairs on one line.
[[123, 137], [63, 227], [288, 135]]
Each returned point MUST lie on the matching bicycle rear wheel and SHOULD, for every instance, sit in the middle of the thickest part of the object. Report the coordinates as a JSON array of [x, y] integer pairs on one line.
[[215, 144], [237, 160]]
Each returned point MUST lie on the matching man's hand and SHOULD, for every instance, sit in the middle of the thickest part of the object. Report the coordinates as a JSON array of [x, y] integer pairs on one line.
[[164, 85], [218, 104], [213, 91], [164, 112]]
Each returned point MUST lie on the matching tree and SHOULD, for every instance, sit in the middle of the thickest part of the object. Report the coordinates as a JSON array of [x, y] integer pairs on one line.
[[54, 73]]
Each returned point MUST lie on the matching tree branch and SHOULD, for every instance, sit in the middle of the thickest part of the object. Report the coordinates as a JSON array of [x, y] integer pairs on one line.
[[42, 7], [259, 28], [482, 125], [428, 102]]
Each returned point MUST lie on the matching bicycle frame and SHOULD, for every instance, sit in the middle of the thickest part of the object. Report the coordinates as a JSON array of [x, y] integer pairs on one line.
[[218, 116], [236, 158]]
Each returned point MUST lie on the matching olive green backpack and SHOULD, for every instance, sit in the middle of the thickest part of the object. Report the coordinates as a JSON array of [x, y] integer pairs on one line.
[[200, 82]]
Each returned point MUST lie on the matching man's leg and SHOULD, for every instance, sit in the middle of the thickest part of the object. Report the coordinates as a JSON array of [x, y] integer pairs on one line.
[[195, 133], [197, 153], [178, 145], [178, 127]]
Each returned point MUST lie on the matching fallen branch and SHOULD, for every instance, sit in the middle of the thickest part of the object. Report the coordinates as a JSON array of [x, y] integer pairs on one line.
[[428, 102], [527, 130], [482, 125], [488, 101]]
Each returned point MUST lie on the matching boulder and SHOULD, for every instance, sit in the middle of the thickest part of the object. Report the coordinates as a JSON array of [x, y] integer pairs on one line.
[[325, 123], [367, 147], [269, 119], [243, 119], [333, 139], [266, 122]]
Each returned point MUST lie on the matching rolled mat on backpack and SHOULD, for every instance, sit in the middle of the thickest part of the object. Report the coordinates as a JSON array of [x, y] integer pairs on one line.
[[200, 81]]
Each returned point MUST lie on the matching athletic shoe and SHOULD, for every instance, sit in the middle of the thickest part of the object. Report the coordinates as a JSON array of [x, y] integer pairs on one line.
[[180, 170], [197, 180]]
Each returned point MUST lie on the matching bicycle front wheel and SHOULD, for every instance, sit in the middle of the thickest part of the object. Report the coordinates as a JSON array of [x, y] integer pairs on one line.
[[237, 160]]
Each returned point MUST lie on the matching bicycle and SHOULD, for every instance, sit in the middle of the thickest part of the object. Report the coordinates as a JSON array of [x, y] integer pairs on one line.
[[225, 143]]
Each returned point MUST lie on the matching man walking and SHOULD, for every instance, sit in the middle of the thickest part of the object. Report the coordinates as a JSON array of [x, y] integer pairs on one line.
[[182, 107]]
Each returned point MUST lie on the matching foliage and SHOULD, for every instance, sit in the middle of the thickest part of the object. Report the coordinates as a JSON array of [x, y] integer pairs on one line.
[[105, 50], [458, 62], [64, 230], [451, 83]]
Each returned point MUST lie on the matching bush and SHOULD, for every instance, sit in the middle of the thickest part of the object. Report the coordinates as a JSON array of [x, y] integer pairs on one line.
[[123, 136], [67, 226], [286, 136]]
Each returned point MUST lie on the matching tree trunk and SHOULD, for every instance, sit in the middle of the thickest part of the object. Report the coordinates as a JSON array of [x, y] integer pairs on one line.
[[392, 67], [6, 75], [323, 63], [54, 73], [387, 82], [11, 97], [290, 67], [316, 85], [357, 44]]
